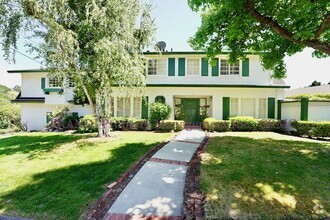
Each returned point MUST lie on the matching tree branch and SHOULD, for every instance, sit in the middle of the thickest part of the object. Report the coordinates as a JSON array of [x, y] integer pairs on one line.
[[325, 24], [283, 32]]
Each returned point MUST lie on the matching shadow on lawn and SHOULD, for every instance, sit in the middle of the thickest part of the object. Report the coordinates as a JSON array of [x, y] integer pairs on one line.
[[66, 193], [266, 178], [35, 144]]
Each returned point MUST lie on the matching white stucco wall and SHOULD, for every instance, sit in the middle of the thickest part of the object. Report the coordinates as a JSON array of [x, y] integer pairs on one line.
[[31, 85], [257, 75], [290, 110], [319, 111], [35, 114]]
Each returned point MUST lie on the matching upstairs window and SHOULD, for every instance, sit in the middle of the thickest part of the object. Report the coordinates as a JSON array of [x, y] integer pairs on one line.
[[157, 67], [228, 69], [193, 67], [54, 82]]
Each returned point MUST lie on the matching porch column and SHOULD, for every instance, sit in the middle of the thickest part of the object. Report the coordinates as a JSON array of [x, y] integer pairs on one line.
[[170, 102]]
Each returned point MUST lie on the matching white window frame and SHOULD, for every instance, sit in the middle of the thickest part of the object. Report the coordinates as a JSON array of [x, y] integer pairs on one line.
[[139, 107], [254, 106], [266, 108], [199, 72], [48, 78], [229, 68], [124, 107], [230, 107], [158, 73]]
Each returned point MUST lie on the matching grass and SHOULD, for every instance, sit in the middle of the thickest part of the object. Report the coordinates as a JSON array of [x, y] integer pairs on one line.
[[59, 176], [263, 178]]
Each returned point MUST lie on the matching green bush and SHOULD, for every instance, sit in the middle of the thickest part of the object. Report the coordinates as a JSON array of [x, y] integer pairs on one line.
[[158, 112], [269, 125], [244, 123], [121, 123], [171, 125], [310, 128], [87, 124], [10, 116], [141, 124], [212, 124]]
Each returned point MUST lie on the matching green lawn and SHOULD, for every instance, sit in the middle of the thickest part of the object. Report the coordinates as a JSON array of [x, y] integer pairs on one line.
[[263, 178], [58, 176]]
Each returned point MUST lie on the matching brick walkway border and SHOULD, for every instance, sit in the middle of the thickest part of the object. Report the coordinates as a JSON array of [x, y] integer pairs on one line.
[[193, 197]]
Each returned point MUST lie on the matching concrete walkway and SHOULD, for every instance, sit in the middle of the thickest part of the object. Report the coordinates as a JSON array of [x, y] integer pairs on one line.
[[157, 189]]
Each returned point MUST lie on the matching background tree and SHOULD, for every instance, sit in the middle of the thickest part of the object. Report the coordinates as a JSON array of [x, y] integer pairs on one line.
[[270, 28], [97, 43], [315, 83]]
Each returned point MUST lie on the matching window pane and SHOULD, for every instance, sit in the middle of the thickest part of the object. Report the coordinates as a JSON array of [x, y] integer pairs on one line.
[[233, 106], [234, 69], [152, 67], [224, 67], [161, 67], [120, 107], [137, 107], [53, 82], [193, 68], [248, 107], [127, 106], [262, 108]]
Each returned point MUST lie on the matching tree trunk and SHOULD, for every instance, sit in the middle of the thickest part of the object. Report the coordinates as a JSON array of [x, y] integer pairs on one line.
[[103, 111]]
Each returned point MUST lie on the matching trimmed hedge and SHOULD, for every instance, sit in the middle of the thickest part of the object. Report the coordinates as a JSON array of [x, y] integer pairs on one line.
[[311, 128], [87, 124], [171, 125], [242, 123], [212, 124]]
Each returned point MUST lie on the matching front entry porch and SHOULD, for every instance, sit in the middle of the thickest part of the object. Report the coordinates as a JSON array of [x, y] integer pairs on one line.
[[191, 109]]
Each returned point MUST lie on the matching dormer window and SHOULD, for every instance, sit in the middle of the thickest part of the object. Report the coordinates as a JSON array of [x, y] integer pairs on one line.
[[228, 69], [54, 82], [193, 67], [157, 67]]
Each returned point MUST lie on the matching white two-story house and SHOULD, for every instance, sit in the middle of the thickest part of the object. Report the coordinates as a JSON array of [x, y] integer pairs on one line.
[[184, 80]]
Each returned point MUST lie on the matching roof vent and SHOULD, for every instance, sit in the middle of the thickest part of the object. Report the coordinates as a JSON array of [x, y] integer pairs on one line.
[[161, 45]]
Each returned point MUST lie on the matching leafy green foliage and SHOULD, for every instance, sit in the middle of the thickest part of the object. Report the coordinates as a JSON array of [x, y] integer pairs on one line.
[[244, 123], [96, 43], [158, 112], [271, 29], [311, 96], [171, 125], [212, 124], [310, 128], [10, 114], [87, 124]]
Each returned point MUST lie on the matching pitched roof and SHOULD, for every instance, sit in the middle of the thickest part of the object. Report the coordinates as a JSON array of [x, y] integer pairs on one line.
[[308, 90]]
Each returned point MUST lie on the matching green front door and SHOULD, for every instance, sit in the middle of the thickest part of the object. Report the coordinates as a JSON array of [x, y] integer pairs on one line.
[[191, 110]]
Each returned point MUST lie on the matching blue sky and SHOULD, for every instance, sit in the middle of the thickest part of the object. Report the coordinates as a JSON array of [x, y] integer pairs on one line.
[[175, 23]]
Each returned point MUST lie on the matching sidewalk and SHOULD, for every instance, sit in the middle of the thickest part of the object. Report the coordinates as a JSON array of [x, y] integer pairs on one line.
[[157, 189]]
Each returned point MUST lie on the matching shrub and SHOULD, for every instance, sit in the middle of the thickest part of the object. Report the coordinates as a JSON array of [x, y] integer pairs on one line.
[[310, 128], [158, 112], [121, 123], [9, 116], [171, 125], [87, 124], [243, 123], [269, 125], [212, 124]]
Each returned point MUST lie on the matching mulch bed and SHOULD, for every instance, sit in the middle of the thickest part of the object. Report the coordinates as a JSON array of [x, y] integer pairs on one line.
[[193, 197]]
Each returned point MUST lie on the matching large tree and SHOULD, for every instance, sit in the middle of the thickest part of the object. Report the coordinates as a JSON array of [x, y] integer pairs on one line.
[[97, 43], [270, 28]]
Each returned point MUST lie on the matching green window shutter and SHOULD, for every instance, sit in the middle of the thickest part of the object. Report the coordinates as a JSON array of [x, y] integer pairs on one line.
[[215, 68], [304, 109], [144, 107], [182, 67], [75, 115], [48, 117], [225, 108], [245, 67], [171, 66], [205, 67], [271, 107], [43, 83], [279, 109]]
